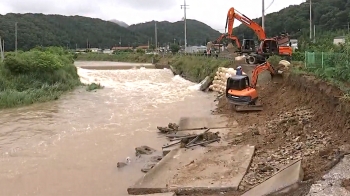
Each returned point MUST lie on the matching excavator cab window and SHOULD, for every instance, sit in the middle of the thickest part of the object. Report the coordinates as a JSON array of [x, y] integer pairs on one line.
[[270, 46], [237, 82], [248, 44]]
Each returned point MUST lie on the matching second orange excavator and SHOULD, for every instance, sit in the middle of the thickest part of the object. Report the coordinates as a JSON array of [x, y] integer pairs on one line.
[[268, 46], [242, 93], [248, 44]]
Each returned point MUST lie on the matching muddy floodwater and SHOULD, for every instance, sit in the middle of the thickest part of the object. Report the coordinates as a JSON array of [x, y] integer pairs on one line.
[[71, 146]]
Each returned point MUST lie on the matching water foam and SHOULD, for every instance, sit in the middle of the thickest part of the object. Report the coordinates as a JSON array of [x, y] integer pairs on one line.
[[149, 85]]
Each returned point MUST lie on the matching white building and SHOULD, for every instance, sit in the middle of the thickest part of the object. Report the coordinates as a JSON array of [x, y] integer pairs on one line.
[[339, 40], [107, 51], [195, 49]]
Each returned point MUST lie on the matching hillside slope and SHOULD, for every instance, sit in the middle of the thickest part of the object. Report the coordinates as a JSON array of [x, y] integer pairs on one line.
[[197, 32], [120, 23], [67, 31], [328, 16]]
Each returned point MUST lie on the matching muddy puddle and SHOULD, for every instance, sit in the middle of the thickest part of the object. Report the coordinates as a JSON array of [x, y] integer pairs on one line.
[[71, 146]]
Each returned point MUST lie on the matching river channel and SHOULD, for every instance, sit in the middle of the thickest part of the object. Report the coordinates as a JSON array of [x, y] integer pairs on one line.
[[70, 147]]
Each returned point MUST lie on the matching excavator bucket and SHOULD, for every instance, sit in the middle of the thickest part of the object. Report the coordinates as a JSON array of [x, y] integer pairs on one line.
[[248, 108]]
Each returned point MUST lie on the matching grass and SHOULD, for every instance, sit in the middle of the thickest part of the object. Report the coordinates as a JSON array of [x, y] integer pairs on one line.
[[196, 68], [38, 75]]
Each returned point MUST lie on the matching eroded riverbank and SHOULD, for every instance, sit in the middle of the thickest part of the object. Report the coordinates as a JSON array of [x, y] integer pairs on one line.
[[71, 146]]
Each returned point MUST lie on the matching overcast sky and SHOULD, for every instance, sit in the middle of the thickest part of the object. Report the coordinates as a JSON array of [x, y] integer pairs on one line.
[[211, 12]]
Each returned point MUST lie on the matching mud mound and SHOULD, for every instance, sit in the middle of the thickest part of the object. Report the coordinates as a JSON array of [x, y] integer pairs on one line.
[[303, 117]]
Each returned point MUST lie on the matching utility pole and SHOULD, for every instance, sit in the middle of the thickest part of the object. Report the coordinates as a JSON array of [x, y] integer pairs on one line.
[[16, 37], [263, 15], [310, 20], [184, 6], [155, 34], [1, 52]]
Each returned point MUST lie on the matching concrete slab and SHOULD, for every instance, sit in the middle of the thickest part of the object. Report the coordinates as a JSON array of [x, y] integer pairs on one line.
[[161, 194], [213, 122], [202, 169], [286, 177], [222, 134]]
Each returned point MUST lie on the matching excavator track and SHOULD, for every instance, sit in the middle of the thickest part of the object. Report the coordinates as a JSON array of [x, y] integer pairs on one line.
[[247, 108]]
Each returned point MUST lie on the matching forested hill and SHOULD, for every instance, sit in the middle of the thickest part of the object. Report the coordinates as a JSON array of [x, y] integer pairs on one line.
[[57, 30], [78, 31], [197, 32], [330, 17]]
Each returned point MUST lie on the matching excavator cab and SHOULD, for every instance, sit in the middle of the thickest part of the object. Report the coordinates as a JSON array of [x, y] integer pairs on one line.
[[239, 92], [269, 46], [248, 45]]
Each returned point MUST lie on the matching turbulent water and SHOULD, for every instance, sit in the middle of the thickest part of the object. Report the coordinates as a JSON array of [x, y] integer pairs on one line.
[[71, 146]]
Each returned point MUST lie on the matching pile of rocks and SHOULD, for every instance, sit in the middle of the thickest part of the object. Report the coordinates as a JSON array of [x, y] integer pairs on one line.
[[288, 138]]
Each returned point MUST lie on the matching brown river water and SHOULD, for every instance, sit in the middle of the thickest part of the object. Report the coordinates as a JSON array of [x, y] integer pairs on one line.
[[70, 147]]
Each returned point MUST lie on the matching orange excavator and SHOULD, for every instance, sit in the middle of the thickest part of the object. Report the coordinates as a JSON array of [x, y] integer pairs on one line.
[[268, 46], [242, 93]]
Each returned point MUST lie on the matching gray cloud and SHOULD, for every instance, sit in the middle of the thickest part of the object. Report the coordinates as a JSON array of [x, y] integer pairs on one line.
[[76, 7], [149, 4]]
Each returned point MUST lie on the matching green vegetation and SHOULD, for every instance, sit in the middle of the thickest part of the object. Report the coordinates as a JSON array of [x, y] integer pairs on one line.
[[93, 86], [327, 61], [196, 68], [137, 57], [77, 31], [39, 75], [329, 17]]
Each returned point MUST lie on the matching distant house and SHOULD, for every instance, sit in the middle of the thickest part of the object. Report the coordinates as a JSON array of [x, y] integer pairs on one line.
[[195, 49], [95, 49], [142, 47], [122, 48], [339, 40], [107, 51]]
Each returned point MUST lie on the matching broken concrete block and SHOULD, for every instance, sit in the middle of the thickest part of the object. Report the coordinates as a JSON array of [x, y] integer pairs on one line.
[[144, 150], [286, 177]]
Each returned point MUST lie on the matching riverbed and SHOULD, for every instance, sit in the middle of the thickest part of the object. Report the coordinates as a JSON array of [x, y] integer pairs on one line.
[[71, 146]]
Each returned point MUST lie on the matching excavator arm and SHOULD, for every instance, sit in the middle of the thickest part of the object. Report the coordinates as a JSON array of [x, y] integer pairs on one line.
[[233, 14], [227, 36], [260, 68]]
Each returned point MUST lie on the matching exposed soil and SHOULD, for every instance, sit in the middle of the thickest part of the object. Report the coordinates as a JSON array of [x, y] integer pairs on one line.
[[346, 184], [303, 118]]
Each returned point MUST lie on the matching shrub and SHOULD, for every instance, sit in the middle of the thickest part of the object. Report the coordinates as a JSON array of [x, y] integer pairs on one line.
[[41, 74]]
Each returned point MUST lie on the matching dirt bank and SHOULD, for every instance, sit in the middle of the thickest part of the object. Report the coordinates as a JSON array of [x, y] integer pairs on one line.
[[303, 117]]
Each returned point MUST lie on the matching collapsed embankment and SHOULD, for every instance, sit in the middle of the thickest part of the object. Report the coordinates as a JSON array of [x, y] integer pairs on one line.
[[303, 118]]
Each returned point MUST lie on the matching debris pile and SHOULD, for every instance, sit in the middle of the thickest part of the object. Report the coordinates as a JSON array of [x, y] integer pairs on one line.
[[219, 82], [143, 154], [191, 140], [288, 138], [171, 128]]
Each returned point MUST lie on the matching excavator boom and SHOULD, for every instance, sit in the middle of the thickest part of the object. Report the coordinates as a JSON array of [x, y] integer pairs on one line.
[[260, 68], [234, 14]]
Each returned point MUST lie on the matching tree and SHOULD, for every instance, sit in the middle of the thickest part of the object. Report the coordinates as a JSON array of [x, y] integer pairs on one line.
[[174, 48], [152, 47]]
